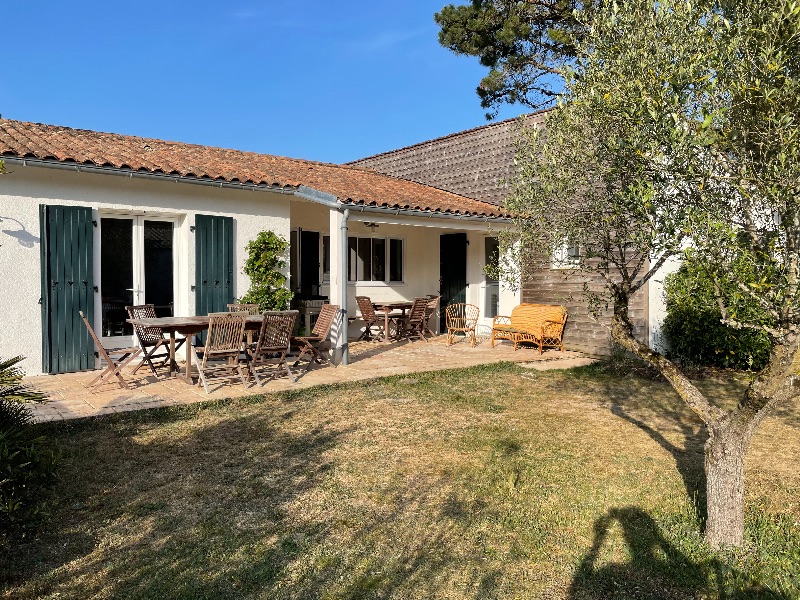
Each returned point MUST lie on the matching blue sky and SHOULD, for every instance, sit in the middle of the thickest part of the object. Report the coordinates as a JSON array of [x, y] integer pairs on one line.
[[321, 80]]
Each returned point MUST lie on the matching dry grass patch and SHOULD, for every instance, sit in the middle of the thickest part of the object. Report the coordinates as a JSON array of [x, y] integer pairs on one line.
[[491, 482]]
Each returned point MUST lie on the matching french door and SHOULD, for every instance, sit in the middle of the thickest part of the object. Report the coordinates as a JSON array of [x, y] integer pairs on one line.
[[136, 267]]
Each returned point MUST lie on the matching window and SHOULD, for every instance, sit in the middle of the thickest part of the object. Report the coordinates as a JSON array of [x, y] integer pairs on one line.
[[326, 258], [567, 256], [367, 259]]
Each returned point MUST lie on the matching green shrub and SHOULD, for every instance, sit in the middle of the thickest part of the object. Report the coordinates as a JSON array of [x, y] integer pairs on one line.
[[694, 331], [265, 265], [27, 460]]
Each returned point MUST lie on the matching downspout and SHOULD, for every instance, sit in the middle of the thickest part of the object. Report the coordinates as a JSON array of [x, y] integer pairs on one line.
[[343, 287]]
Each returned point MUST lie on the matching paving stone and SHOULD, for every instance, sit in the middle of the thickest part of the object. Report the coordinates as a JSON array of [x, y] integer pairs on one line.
[[72, 398]]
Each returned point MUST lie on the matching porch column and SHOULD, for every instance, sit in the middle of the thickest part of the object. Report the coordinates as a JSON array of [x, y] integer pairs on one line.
[[338, 283]]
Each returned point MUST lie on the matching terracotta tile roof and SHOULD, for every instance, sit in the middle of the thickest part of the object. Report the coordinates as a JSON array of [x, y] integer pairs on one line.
[[350, 184], [474, 163]]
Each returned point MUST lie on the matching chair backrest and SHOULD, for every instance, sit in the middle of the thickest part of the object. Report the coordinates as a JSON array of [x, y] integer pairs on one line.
[[433, 304], [325, 320], [250, 309], [225, 331], [366, 309], [527, 316], [417, 314], [148, 336], [100, 348], [276, 331], [462, 316]]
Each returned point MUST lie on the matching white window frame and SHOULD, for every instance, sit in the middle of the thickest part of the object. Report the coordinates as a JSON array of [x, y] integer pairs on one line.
[[138, 219], [387, 260], [566, 256]]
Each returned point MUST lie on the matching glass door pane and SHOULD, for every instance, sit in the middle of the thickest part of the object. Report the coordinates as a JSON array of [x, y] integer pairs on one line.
[[116, 274], [158, 267]]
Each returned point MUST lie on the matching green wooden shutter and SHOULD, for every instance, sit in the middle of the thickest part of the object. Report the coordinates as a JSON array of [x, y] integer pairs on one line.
[[67, 245], [213, 263]]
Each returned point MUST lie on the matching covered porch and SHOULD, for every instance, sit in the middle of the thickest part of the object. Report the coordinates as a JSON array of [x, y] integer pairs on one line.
[[341, 250]]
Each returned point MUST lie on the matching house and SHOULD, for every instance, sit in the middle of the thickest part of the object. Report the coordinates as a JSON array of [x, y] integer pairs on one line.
[[95, 221], [479, 163]]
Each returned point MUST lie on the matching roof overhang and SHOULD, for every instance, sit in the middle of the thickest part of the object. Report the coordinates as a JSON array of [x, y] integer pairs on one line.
[[388, 212]]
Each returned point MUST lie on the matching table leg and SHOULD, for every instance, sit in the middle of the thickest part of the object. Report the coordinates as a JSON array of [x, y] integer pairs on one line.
[[173, 364], [386, 337], [189, 359]]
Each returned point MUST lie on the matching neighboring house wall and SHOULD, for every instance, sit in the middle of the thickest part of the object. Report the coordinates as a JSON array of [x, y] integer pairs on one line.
[[477, 163], [24, 188], [583, 332]]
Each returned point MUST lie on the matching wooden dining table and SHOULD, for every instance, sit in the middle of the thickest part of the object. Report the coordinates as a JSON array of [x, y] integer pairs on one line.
[[388, 307], [186, 326]]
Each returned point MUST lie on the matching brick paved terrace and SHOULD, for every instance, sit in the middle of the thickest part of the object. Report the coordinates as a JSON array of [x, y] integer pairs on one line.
[[70, 397]]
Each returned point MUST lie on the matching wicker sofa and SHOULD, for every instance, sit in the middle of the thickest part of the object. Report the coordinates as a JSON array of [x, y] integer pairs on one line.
[[540, 324]]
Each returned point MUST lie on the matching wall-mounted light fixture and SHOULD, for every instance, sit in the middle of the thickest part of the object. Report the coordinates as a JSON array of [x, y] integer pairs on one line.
[[371, 225]]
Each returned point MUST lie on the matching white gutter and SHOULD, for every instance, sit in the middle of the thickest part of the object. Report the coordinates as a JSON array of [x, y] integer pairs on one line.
[[130, 173]]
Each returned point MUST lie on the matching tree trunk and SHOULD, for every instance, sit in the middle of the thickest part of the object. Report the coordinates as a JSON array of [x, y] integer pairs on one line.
[[726, 449]]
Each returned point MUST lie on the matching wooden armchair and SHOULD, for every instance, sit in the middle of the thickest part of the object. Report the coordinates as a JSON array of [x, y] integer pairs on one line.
[[540, 324], [219, 358], [250, 309], [430, 310], [372, 319], [461, 318], [310, 345], [113, 367], [151, 339], [416, 322], [273, 344]]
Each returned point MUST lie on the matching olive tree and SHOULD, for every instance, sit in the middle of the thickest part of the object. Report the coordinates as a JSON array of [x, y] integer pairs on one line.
[[678, 128]]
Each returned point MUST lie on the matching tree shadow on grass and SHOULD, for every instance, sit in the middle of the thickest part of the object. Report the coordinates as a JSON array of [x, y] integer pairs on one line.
[[654, 570], [688, 454], [232, 507]]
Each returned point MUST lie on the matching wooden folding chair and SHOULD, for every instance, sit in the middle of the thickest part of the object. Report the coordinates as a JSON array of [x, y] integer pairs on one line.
[[250, 309], [113, 367], [370, 318], [415, 325], [310, 344], [219, 358], [430, 310], [151, 337], [461, 318], [274, 342]]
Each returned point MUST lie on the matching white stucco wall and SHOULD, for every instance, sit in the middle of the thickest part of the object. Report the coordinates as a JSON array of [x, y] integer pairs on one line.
[[24, 188], [657, 302]]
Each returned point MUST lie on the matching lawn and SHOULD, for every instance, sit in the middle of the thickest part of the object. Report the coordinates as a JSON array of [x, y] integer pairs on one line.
[[490, 482]]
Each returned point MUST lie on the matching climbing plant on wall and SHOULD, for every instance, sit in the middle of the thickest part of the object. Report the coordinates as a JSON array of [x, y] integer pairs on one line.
[[266, 265]]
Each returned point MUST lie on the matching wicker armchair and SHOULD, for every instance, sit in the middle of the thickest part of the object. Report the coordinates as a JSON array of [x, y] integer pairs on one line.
[[461, 318]]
